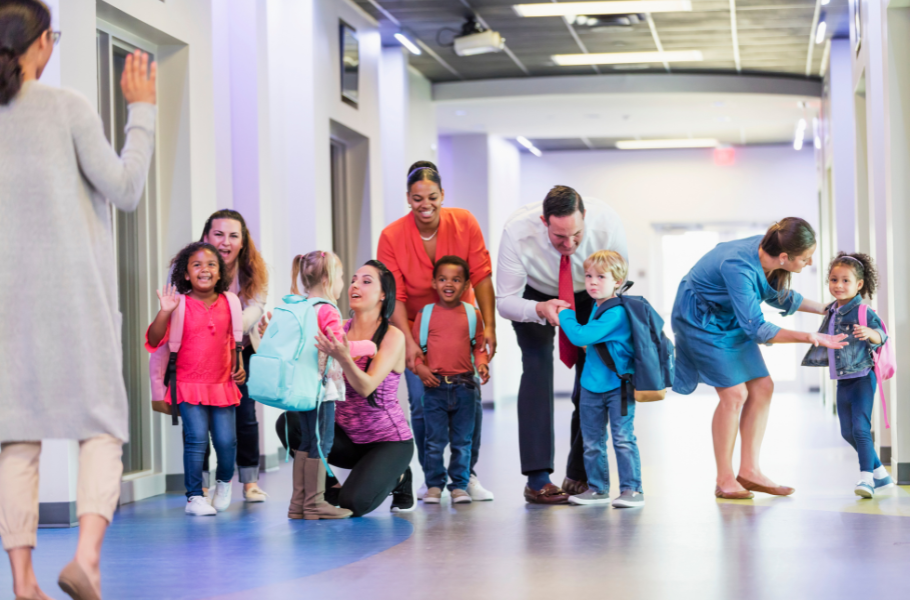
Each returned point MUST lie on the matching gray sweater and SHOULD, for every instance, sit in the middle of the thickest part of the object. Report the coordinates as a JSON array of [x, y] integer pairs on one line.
[[60, 349]]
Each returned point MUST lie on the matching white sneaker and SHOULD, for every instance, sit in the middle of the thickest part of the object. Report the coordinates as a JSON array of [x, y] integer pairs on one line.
[[254, 495], [477, 492], [422, 492], [221, 499], [199, 507]]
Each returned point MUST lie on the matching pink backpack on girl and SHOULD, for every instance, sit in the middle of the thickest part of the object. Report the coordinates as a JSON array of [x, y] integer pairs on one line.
[[885, 363], [163, 362]]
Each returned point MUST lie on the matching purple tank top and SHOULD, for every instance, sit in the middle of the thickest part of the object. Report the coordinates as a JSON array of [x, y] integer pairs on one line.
[[365, 424]]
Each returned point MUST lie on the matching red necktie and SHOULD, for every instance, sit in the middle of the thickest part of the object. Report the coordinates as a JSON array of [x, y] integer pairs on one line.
[[568, 352]]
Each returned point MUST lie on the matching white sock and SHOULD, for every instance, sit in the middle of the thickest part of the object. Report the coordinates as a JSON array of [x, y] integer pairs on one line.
[[866, 477], [880, 473]]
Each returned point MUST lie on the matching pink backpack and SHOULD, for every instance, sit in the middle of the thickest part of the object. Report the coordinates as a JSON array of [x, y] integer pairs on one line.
[[885, 363], [163, 362]]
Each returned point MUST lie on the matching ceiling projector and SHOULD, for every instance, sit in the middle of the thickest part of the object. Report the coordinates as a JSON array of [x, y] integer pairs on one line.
[[474, 39]]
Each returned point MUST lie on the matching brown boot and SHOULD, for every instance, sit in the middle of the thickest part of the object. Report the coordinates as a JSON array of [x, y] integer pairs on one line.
[[315, 506], [298, 495]]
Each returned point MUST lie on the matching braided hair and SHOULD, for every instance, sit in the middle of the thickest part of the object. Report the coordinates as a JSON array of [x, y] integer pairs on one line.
[[387, 282]]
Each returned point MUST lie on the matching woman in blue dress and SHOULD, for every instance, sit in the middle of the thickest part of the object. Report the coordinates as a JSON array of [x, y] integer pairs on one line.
[[718, 325]]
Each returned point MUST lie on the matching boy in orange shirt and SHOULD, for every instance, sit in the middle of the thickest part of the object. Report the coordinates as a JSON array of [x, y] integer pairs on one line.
[[451, 336]]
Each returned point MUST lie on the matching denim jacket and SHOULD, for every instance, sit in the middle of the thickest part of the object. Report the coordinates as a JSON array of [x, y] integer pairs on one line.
[[857, 355]]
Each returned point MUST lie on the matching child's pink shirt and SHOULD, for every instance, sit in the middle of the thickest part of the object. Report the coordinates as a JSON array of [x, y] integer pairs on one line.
[[204, 361], [329, 319]]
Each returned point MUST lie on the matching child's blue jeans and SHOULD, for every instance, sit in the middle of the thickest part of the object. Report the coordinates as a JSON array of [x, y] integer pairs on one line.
[[326, 424], [198, 421], [597, 411], [449, 414], [855, 398]]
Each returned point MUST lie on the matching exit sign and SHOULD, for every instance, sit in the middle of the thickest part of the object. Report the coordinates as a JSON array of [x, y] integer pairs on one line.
[[724, 156]]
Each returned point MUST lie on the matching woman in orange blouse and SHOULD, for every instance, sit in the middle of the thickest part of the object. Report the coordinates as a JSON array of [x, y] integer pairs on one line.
[[409, 247]]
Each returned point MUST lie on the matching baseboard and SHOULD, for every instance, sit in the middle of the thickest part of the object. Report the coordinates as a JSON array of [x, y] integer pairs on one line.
[[902, 470], [271, 462], [885, 455], [174, 483], [52, 515]]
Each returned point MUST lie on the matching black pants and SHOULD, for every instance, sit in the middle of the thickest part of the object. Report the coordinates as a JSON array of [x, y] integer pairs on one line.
[[375, 469], [247, 432], [535, 394]]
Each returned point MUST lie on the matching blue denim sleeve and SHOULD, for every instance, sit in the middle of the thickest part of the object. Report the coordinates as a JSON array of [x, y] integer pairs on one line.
[[789, 305], [746, 300], [875, 322]]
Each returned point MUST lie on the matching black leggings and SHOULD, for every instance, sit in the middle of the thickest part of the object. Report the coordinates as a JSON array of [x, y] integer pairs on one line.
[[375, 469]]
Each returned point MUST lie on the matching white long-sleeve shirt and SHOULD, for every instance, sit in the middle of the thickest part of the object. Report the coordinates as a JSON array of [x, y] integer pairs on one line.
[[526, 256]]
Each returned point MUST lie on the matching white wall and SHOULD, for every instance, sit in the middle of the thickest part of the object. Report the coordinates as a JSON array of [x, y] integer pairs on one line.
[[765, 184]]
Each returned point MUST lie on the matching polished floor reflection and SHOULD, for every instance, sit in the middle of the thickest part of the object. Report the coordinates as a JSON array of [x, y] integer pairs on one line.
[[821, 543]]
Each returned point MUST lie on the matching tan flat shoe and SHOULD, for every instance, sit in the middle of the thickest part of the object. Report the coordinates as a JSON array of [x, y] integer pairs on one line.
[[74, 582], [780, 490], [743, 495]]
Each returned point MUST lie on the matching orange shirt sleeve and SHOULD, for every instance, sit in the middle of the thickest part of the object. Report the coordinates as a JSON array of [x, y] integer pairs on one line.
[[385, 253], [478, 255]]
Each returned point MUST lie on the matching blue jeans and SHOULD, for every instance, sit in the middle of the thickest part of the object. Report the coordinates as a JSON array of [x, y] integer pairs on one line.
[[449, 413], [597, 411], [415, 399], [198, 421], [855, 398], [326, 424]]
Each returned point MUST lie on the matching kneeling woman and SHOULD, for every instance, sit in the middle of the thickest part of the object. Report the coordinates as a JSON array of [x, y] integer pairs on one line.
[[372, 437]]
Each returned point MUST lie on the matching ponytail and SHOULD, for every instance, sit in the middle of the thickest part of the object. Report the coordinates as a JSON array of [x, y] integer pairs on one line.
[[791, 236], [863, 268], [21, 23]]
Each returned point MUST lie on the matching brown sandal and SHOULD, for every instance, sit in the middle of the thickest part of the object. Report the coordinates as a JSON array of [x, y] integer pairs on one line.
[[780, 490], [743, 495]]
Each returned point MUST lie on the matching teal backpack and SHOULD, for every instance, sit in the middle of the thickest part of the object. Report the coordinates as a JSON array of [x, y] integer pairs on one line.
[[284, 372], [425, 325]]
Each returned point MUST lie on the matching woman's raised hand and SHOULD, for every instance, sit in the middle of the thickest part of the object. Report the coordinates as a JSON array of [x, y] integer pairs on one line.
[[169, 299], [835, 342], [337, 349], [138, 80]]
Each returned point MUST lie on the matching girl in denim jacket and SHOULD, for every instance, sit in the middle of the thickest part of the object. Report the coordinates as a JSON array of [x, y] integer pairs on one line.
[[852, 277]]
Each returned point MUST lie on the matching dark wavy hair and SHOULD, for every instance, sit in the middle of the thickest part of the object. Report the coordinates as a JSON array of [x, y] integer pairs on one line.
[[21, 23], [387, 282], [251, 268], [791, 236], [179, 268], [863, 268], [423, 170]]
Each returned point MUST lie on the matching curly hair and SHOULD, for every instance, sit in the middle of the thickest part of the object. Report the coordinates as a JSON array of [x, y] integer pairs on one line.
[[251, 268], [179, 268], [863, 268]]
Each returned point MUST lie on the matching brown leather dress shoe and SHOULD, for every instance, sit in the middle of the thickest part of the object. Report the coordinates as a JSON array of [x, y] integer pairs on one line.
[[743, 495], [573, 487], [780, 490], [548, 494]]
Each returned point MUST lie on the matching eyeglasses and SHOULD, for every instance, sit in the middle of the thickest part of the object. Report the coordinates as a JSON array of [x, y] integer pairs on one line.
[[55, 36]]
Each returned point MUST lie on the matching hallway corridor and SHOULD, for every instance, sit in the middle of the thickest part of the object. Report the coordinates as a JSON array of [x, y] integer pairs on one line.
[[823, 542]]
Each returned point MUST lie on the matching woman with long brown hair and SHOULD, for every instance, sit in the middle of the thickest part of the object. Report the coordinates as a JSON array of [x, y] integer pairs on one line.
[[226, 230], [718, 324]]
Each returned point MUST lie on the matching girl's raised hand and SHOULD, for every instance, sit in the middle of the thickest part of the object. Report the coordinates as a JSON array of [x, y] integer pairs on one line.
[[169, 299], [835, 342]]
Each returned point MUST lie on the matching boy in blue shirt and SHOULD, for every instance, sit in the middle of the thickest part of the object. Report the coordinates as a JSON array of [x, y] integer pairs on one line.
[[600, 402]]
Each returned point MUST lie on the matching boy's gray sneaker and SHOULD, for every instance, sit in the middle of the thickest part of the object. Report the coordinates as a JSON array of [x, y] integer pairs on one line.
[[589, 496], [629, 499]]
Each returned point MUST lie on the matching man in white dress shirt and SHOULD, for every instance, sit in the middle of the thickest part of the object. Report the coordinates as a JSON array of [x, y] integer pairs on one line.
[[540, 269]]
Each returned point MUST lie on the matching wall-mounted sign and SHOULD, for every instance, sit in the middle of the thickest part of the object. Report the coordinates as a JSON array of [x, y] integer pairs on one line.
[[350, 65]]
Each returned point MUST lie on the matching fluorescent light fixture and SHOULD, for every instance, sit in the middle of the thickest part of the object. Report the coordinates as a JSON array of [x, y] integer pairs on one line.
[[666, 144], [527, 144], [411, 46], [626, 58], [826, 2], [800, 136], [617, 7], [820, 32]]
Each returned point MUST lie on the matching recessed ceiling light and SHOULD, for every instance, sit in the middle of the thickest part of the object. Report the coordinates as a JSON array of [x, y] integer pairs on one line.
[[666, 144], [616, 7], [622, 58]]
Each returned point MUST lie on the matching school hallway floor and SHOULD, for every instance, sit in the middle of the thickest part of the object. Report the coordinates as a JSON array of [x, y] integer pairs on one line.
[[823, 542]]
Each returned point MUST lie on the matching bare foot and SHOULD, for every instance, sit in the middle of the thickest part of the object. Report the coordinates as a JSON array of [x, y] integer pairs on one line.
[[32, 592], [92, 569], [758, 478], [729, 485]]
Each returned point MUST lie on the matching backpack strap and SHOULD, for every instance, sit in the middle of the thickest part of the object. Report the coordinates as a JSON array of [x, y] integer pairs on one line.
[[604, 353], [236, 327], [472, 322], [864, 321], [425, 326], [174, 341]]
